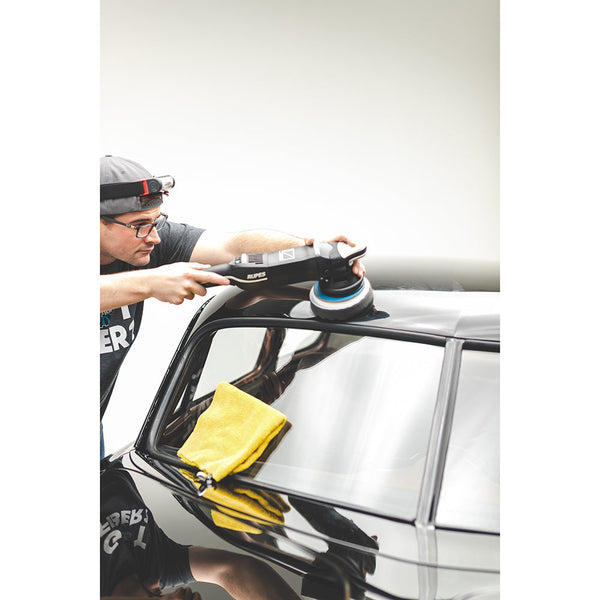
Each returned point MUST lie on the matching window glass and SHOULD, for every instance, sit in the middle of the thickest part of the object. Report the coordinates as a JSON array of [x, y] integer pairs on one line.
[[233, 352], [471, 486], [360, 410]]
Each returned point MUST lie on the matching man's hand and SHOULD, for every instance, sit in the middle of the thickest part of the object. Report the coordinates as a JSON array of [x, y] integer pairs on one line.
[[182, 593], [132, 588], [177, 282], [357, 267], [172, 283]]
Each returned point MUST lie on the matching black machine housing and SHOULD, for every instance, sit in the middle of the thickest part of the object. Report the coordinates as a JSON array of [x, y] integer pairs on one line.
[[338, 292]]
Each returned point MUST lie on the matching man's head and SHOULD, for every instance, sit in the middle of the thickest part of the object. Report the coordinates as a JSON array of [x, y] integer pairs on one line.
[[129, 205]]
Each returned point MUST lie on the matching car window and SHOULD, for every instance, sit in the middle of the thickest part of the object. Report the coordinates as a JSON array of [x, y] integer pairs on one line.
[[471, 486], [233, 352], [360, 410]]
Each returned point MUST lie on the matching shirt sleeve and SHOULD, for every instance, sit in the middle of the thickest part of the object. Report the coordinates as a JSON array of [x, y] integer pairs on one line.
[[177, 241], [172, 561]]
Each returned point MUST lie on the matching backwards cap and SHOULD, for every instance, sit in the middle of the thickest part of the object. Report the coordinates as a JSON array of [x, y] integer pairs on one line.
[[114, 169]]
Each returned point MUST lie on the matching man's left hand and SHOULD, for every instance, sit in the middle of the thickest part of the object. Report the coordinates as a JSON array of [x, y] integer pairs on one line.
[[357, 267]]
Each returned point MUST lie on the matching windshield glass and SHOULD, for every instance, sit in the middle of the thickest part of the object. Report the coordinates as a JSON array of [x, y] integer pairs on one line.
[[360, 410]]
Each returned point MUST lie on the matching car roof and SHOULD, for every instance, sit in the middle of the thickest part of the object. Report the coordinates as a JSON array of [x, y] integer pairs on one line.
[[458, 299], [460, 314]]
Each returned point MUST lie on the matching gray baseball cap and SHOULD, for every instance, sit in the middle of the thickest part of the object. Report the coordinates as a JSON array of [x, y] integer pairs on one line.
[[117, 199]]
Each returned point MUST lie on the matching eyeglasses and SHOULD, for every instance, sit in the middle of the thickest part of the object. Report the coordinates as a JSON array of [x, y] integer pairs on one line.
[[144, 230]]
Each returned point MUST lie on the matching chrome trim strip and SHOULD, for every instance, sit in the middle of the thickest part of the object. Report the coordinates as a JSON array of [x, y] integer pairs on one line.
[[434, 467], [440, 433]]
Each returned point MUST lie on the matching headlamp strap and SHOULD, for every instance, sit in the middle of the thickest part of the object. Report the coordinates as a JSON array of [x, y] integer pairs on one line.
[[143, 187]]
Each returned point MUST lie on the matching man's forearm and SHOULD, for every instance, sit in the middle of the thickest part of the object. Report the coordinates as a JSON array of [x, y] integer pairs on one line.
[[122, 289], [171, 283], [263, 240], [243, 577], [216, 247]]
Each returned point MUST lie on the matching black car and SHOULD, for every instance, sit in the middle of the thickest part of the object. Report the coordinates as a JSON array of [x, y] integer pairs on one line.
[[384, 482]]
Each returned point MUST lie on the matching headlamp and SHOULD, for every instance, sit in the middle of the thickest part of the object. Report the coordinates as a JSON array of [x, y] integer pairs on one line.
[[142, 187]]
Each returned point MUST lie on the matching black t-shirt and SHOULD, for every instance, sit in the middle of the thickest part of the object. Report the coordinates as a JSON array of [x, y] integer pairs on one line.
[[119, 327], [131, 542]]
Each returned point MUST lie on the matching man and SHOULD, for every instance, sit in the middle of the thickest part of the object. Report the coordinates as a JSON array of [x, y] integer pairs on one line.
[[144, 255]]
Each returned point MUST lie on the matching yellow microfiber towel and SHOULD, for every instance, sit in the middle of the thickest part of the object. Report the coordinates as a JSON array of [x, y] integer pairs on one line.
[[231, 433]]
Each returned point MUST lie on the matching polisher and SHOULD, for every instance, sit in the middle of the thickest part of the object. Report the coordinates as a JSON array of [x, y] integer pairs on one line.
[[338, 294]]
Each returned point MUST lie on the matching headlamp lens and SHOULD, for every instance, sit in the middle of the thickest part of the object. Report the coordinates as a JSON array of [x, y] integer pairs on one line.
[[166, 182]]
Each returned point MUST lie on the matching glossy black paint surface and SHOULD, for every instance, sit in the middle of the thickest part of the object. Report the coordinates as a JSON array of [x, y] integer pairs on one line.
[[330, 545]]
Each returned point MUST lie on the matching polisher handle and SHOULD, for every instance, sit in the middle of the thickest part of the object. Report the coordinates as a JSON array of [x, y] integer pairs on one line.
[[292, 265]]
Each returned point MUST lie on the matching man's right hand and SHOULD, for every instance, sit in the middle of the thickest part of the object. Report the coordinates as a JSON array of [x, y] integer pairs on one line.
[[177, 282], [182, 593], [172, 283]]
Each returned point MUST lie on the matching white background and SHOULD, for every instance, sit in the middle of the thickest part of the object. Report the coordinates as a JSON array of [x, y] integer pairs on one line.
[[50, 126], [375, 119]]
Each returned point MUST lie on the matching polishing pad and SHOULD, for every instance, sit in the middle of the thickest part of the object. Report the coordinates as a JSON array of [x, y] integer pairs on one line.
[[333, 308]]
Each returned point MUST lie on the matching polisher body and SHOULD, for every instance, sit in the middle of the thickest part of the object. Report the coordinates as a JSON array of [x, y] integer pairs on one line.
[[337, 294]]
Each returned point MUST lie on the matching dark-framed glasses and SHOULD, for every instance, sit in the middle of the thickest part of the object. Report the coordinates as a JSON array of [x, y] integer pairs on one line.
[[143, 230]]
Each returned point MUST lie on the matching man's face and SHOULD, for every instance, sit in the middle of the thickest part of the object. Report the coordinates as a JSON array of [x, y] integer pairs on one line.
[[118, 242]]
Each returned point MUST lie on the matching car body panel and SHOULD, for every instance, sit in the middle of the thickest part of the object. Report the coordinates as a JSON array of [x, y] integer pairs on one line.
[[415, 556]]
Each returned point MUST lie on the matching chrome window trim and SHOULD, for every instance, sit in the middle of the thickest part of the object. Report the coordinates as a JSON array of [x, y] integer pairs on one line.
[[437, 449], [440, 433]]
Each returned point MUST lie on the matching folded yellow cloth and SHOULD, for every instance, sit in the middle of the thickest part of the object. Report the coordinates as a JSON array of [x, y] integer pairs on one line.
[[231, 433]]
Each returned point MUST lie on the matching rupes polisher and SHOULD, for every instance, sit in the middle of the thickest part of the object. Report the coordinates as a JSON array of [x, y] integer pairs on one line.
[[338, 293]]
